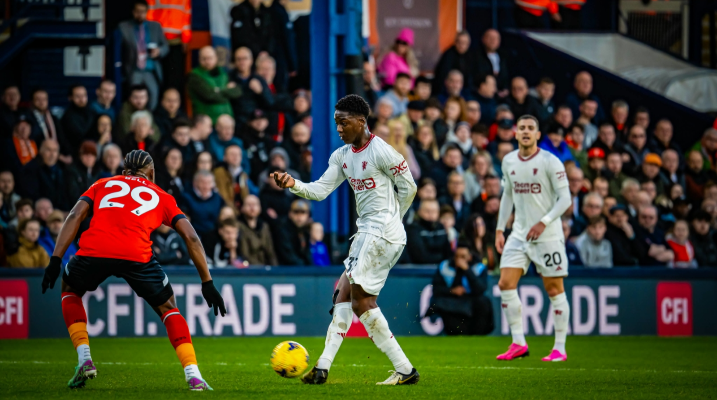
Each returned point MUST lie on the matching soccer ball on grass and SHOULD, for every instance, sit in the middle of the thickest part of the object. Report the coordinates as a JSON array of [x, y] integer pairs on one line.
[[289, 359]]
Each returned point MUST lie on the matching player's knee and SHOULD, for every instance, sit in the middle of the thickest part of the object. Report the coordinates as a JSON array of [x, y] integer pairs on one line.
[[553, 290], [505, 284]]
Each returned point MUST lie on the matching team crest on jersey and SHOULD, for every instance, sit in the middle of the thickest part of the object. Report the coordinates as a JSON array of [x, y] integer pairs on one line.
[[363, 165], [344, 165], [535, 171]]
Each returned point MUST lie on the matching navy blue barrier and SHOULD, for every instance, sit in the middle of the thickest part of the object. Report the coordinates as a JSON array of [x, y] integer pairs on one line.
[[285, 301]]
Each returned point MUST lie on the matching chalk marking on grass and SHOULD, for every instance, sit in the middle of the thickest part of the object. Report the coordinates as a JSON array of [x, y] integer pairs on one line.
[[224, 364]]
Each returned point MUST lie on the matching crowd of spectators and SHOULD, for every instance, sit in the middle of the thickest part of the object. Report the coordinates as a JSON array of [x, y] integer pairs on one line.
[[638, 198]]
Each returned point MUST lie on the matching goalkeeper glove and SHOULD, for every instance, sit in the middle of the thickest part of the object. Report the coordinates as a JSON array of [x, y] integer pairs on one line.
[[51, 273], [213, 298]]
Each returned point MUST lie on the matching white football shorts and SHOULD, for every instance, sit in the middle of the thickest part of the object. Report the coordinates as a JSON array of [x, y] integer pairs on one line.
[[370, 259], [549, 257]]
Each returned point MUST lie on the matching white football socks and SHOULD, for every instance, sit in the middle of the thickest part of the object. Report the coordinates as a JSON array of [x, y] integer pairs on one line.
[[83, 353], [343, 316], [510, 304], [192, 371], [377, 328], [561, 311]]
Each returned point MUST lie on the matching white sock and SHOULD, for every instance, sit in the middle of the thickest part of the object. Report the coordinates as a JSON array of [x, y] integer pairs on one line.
[[192, 371], [561, 311], [83, 353], [377, 328], [343, 316], [510, 304]]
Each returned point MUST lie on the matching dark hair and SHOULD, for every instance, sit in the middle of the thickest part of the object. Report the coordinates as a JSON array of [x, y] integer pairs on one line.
[[596, 220], [701, 215], [135, 160], [546, 80], [446, 209], [605, 124], [482, 78], [576, 125], [614, 152], [530, 117], [138, 87], [402, 75], [180, 123], [422, 79], [39, 89], [135, 3], [23, 224], [425, 182], [72, 88], [228, 222], [463, 244], [198, 118], [353, 104], [22, 203], [490, 176], [451, 146], [563, 107], [641, 109]]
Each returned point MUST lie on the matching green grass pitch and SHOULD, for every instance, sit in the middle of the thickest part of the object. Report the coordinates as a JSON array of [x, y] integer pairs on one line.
[[460, 367]]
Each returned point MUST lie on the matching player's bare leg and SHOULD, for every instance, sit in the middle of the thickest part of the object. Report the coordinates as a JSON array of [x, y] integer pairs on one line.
[[181, 340], [364, 304], [342, 318], [512, 308], [75, 317], [561, 316]]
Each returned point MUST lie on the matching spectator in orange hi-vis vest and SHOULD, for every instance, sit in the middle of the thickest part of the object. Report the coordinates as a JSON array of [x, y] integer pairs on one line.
[[175, 16], [570, 14], [529, 13]]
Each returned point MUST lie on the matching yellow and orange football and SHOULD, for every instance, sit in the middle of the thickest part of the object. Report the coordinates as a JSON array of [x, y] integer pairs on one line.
[[289, 359]]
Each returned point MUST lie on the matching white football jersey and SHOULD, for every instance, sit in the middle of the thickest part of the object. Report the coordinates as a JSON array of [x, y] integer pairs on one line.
[[534, 182], [371, 171]]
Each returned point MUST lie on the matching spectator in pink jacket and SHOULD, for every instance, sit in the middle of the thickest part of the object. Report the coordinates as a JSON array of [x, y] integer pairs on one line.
[[400, 58]]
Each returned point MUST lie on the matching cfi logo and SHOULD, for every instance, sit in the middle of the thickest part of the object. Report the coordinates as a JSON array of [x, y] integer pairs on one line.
[[363, 165], [408, 4]]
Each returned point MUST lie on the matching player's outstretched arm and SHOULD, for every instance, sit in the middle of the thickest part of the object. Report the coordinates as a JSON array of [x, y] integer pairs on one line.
[[64, 239], [196, 253], [317, 190]]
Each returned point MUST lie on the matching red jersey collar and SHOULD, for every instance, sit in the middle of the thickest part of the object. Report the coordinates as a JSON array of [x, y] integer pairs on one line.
[[529, 158], [355, 150]]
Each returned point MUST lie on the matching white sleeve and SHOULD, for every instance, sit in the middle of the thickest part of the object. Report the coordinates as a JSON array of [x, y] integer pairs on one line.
[[329, 181], [559, 181], [506, 201], [396, 168]]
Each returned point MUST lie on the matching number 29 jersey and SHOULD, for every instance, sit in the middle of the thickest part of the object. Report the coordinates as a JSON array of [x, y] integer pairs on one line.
[[126, 209]]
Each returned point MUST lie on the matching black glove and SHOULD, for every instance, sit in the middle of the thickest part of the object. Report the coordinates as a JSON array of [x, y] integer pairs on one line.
[[51, 273], [213, 298]]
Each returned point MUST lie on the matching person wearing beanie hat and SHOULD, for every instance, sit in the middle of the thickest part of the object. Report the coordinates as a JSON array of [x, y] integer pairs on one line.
[[400, 59], [596, 164], [85, 170], [553, 140], [650, 172]]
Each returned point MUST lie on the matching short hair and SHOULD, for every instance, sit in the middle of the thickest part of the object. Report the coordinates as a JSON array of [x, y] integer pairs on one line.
[[450, 146], [38, 90], [579, 126], [614, 153], [530, 117], [353, 104], [701, 215], [22, 203], [135, 160], [629, 182], [563, 107], [502, 108], [198, 118], [606, 124], [425, 182], [402, 75], [708, 132], [620, 104], [593, 195], [231, 222], [546, 80], [490, 176], [446, 209], [454, 72], [482, 78], [105, 80], [202, 174], [599, 219], [72, 88], [180, 123], [140, 2], [422, 79], [137, 115], [426, 202], [138, 87], [110, 146], [23, 224], [642, 109]]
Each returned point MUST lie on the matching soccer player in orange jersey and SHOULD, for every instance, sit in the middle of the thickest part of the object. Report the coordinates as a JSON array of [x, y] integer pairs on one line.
[[126, 209]]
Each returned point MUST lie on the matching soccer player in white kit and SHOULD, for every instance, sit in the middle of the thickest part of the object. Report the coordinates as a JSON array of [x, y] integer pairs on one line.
[[372, 168], [536, 183]]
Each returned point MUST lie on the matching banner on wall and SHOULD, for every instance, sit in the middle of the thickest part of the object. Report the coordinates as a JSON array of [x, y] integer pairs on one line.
[[434, 24], [280, 305]]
